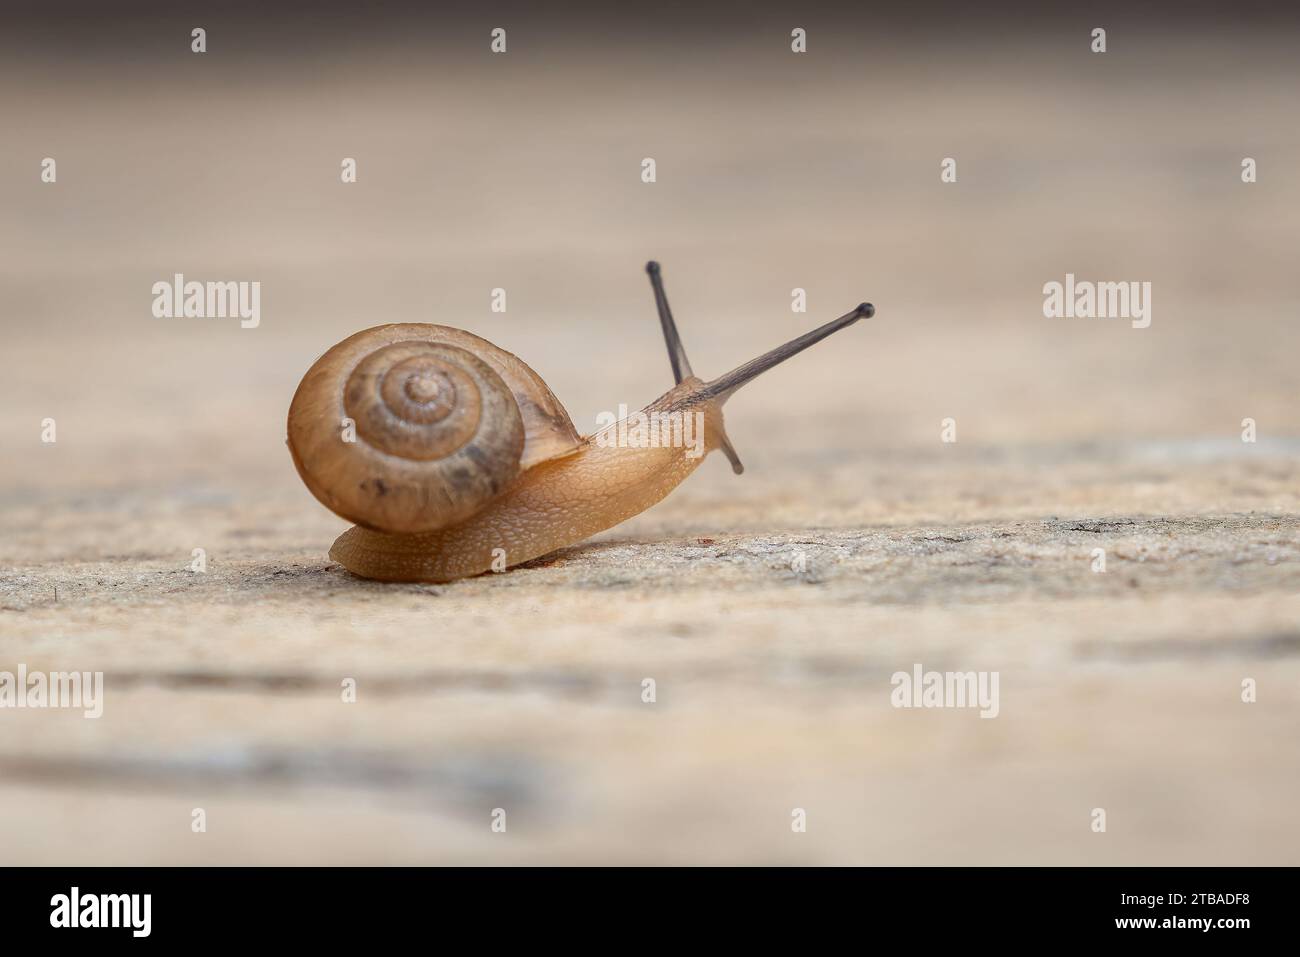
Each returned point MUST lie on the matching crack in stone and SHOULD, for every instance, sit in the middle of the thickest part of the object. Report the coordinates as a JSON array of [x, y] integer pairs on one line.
[[465, 783], [1281, 645]]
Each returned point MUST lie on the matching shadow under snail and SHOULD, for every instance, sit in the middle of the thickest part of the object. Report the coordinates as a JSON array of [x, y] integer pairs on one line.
[[463, 461]]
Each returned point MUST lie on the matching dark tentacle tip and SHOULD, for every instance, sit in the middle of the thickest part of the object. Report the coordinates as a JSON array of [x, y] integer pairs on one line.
[[866, 309], [652, 267]]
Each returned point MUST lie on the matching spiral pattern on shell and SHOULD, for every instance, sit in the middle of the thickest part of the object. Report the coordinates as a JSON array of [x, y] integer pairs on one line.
[[438, 430]]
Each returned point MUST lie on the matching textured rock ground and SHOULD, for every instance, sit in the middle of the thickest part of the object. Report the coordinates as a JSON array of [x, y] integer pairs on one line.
[[771, 610]]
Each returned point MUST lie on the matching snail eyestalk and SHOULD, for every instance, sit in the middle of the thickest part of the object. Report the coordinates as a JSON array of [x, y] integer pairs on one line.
[[724, 386], [676, 351]]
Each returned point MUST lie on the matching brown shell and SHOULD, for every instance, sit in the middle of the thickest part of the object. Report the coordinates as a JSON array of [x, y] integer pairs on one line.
[[444, 422]]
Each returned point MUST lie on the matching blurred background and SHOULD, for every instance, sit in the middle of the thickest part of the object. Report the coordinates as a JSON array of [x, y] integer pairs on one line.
[[775, 171]]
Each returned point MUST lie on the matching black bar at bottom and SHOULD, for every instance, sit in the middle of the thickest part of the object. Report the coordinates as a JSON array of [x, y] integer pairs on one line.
[[658, 907]]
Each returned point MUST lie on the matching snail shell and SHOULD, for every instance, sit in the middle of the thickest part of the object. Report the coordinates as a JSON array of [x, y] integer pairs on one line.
[[444, 423]]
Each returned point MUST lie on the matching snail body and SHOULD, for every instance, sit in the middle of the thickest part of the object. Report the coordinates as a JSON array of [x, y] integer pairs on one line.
[[463, 459]]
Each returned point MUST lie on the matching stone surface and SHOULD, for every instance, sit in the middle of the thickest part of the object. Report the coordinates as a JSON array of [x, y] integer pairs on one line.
[[772, 609]]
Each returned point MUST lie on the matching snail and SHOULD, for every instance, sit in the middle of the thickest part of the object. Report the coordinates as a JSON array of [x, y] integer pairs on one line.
[[460, 460]]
